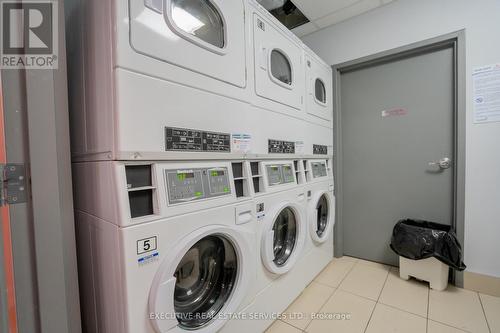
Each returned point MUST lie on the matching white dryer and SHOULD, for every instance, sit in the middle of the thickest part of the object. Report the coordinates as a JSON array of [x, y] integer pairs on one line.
[[319, 89], [172, 79], [162, 247], [147, 66], [205, 37], [278, 64]]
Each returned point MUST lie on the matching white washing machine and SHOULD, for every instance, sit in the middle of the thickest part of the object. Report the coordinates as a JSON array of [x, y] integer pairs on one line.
[[320, 214], [162, 247], [282, 227], [282, 232]]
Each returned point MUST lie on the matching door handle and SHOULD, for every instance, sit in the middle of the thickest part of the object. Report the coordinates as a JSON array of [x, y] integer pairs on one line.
[[444, 163]]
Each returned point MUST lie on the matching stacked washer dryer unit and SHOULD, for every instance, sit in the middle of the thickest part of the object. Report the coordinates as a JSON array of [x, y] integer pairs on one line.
[[283, 69], [172, 113], [163, 246]]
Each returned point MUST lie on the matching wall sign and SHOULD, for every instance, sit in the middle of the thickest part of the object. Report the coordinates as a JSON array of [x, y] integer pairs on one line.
[[486, 81], [394, 113]]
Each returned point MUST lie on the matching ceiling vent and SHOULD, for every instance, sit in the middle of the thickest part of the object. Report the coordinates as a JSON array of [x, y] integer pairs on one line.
[[286, 12]]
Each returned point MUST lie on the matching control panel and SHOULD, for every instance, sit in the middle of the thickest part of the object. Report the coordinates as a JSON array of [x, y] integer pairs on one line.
[[278, 174], [185, 185], [274, 175], [319, 169], [288, 174]]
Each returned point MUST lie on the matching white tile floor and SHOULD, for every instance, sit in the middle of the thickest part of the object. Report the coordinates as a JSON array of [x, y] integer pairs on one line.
[[376, 300]]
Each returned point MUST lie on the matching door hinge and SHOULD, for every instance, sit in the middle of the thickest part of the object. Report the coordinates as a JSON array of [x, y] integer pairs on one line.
[[13, 184]]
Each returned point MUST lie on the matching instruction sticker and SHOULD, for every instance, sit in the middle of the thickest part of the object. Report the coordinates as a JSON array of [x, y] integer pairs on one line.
[[261, 212], [241, 143], [299, 147]]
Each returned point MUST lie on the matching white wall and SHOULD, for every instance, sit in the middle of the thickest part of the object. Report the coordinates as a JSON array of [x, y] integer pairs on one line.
[[407, 21]]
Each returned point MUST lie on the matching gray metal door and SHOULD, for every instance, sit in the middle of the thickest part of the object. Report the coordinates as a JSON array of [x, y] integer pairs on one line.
[[397, 125]]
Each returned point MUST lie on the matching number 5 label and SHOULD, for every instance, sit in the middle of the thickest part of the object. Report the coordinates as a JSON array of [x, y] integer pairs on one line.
[[146, 245]]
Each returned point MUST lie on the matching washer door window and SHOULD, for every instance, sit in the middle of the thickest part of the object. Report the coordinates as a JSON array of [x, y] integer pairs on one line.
[[201, 19], [322, 211], [285, 236], [205, 278]]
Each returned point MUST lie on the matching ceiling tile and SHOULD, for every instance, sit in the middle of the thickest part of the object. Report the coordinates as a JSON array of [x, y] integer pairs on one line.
[[304, 29], [315, 9], [348, 12]]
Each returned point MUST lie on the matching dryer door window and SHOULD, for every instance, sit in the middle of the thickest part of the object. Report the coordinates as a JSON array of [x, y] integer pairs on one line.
[[201, 19], [285, 236], [205, 280], [280, 67], [322, 211], [320, 91]]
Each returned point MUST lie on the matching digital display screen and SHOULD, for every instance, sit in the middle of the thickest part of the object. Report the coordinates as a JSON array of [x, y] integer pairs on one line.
[[217, 173], [186, 175]]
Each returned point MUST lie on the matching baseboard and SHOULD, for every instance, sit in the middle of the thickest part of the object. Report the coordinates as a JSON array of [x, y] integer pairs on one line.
[[484, 284]]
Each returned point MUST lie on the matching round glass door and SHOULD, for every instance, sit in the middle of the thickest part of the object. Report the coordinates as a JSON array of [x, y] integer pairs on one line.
[[285, 236], [320, 91], [201, 19], [205, 279], [281, 68], [322, 215]]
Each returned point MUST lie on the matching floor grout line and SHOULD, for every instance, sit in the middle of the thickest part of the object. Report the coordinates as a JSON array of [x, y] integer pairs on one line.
[[484, 311], [284, 322], [300, 329], [402, 310], [335, 289], [448, 325], [326, 285], [322, 306], [376, 302], [353, 294]]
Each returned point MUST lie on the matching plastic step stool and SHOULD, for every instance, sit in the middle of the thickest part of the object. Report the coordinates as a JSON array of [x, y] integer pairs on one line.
[[430, 270]]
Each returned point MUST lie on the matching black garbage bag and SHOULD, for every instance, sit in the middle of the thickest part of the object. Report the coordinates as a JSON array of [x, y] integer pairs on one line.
[[418, 239]]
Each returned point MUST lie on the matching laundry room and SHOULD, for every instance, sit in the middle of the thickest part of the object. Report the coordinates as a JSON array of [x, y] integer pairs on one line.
[[251, 166]]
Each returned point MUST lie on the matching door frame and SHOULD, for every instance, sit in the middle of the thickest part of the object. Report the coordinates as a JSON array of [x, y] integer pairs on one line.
[[40, 97], [455, 40]]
